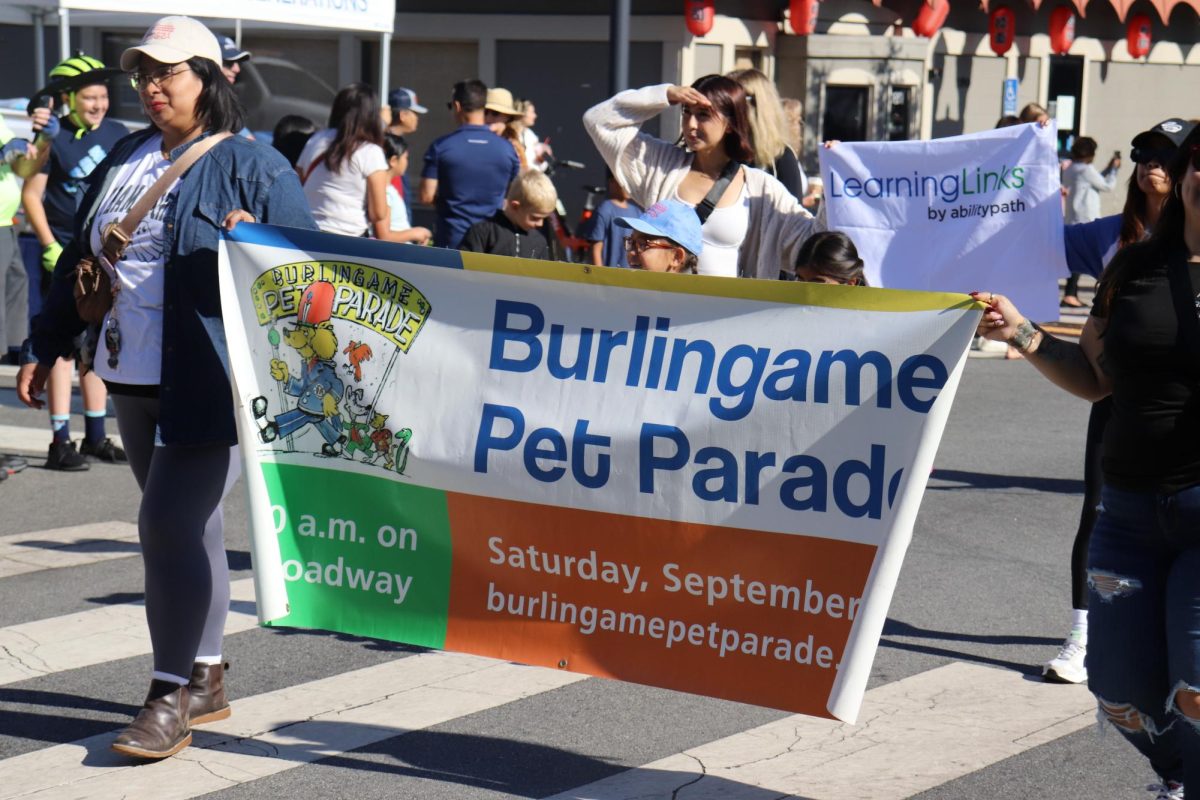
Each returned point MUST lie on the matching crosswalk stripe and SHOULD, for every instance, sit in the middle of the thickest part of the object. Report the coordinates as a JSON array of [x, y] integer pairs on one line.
[[67, 547], [285, 729], [20, 439], [85, 638], [913, 734]]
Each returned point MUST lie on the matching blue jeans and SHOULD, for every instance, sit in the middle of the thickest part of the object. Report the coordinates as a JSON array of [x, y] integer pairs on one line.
[[1144, 622]]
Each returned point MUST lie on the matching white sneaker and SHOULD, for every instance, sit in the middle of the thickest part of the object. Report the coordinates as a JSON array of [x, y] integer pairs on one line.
[[1166, 791], [1067, 666]]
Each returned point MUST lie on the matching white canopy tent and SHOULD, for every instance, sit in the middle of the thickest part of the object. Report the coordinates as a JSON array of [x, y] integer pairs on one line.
[[372, 16]]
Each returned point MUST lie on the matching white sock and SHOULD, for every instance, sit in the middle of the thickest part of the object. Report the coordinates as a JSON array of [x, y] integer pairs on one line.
[[169, 678], [210, 660], [1079, 626]]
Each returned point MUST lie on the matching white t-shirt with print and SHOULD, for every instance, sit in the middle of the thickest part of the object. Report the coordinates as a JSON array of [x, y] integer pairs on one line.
[[339, 200], [139, 300]]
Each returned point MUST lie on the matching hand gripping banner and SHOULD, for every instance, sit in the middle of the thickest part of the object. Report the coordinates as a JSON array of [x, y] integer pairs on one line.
[[704, 484]]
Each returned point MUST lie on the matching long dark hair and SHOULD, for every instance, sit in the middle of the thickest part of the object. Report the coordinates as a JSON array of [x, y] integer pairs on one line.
[[355, 116], [729, 99], [832, 254], [1167, 235], [1133, 214], [218, 108]]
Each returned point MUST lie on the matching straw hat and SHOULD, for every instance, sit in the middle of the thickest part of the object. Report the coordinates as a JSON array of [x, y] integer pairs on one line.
[[501, 101]]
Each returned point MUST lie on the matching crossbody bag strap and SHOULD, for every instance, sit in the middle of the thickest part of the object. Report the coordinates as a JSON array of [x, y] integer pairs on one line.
[[706, 206], [118, 237]]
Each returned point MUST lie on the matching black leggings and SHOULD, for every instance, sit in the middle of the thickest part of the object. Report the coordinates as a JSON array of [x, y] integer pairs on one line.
[[182, 534], [1092, 481], [1072, 287]]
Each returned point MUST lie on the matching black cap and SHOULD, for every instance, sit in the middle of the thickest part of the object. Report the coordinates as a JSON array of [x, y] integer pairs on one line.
[[1174, 129]]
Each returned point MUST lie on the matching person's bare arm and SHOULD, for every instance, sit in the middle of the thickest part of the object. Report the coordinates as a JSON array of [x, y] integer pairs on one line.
[[1077, 368], [25, 168], [35, 210], [597, 252], [428, 190]]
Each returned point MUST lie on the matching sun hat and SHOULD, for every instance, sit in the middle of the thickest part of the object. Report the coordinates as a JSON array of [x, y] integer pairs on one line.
[[501, 101], [173, 40], [405, 100], [669, 219]]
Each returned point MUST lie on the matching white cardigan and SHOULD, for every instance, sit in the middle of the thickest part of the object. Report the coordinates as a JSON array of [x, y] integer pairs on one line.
[[651, 170]]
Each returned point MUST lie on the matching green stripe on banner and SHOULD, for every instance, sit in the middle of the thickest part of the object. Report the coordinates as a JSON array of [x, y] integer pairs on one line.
[[362, 554]]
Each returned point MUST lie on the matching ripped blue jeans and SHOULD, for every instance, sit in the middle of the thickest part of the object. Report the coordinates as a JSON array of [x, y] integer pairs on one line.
[[1144, 622]]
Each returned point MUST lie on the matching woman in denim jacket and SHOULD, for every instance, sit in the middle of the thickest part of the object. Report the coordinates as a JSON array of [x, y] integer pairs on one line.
[[164, 358]]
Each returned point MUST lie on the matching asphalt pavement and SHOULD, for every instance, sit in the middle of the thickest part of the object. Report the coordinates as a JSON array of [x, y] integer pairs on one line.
[[955, 707]]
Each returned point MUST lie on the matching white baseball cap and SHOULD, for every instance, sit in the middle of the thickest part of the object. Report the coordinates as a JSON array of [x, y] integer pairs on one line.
[[173, 40]]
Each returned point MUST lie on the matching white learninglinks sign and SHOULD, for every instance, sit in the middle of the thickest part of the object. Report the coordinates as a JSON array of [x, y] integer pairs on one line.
[[975, 212]]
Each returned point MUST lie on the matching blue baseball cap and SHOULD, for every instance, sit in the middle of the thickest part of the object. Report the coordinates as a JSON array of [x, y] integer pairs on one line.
[[669, 219], [402, 99], [230, 51]]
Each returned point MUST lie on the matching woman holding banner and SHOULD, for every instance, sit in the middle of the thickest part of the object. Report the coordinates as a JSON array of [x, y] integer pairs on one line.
[[163, 354], [1089, 246], [1141, 345], [753, 227]]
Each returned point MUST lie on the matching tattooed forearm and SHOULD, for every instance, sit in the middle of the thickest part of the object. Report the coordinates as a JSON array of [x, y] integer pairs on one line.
[[1056, 350]]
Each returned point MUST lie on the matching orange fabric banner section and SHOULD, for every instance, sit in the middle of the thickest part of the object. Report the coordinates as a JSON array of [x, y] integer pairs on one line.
[[739, 614]]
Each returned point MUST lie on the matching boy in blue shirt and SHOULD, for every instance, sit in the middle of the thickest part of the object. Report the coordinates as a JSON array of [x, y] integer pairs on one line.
[[606, 238]]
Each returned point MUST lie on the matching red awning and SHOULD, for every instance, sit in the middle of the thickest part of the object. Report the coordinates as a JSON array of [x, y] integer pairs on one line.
[[1163, 7]]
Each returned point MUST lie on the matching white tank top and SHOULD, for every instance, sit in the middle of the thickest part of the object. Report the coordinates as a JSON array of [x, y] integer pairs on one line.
[[723, 234]]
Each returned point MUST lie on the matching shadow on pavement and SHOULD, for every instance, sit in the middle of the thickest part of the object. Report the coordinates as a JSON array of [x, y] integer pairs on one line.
[[896, 628], [984, 480], [510, 767]]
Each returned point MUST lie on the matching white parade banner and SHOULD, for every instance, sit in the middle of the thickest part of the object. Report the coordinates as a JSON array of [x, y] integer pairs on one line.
[[706, 484], [976, 212]]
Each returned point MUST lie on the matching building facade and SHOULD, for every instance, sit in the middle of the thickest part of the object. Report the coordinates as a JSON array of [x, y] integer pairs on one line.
[[863, 74]]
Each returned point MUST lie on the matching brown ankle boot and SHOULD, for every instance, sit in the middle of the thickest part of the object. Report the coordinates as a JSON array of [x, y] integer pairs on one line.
[[161, 727], [207, 702]]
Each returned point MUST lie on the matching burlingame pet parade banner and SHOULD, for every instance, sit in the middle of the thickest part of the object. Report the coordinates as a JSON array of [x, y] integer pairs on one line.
[[704, 484], [965, 213]]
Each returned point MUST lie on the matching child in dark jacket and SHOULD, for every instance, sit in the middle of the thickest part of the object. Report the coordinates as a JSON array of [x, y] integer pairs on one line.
[[516, 229]]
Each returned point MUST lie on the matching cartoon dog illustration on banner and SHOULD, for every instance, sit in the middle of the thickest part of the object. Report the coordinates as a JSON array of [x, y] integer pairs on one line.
[[326, 388]]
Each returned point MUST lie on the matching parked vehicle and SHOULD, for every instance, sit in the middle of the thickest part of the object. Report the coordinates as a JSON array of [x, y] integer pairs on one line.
[[271, 88]]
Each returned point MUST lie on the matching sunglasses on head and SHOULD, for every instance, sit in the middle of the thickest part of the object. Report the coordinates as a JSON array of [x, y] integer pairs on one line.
[[1152, 155]]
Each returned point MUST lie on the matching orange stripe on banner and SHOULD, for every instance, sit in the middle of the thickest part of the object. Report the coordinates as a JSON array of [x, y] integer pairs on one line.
[[742, 615]]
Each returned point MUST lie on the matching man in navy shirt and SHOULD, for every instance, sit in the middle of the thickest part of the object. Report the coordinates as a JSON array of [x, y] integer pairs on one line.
[[84, 137], [467, 171]]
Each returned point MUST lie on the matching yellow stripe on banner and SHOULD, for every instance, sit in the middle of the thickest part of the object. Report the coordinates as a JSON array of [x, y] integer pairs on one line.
[[794, 292]]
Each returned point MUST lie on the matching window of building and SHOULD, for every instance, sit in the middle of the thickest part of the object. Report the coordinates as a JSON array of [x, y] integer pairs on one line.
[[748, 58], [899, 119], [1065, 92], [845, 117], [707, 59]]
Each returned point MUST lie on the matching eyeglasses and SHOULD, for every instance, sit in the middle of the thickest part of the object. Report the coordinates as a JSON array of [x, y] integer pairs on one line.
[[1152, 155], [1194, 156], [640, 246], [141, 80]]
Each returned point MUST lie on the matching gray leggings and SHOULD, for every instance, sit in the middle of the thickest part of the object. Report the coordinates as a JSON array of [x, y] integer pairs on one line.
[[182, 534]]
